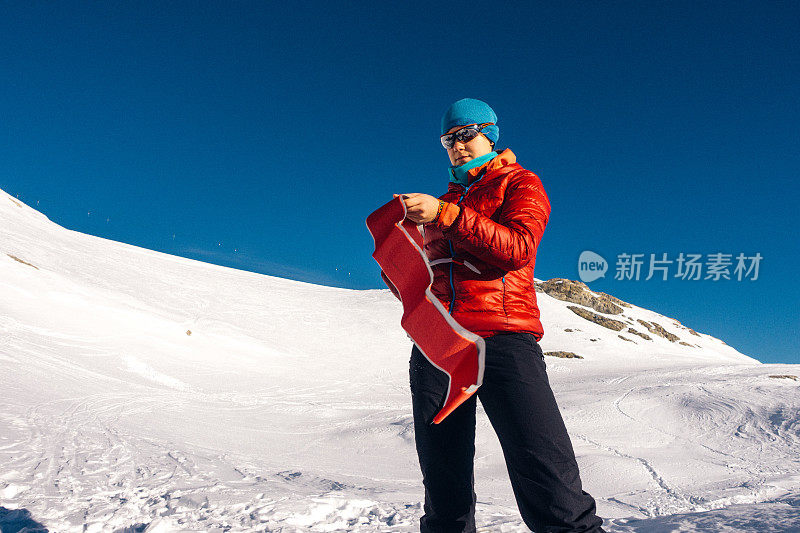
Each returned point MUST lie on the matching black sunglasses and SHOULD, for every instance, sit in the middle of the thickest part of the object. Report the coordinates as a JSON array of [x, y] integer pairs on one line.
[[463, 135]]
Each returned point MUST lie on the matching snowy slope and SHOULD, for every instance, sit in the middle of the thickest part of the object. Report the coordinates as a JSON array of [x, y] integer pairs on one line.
[[147, 390]]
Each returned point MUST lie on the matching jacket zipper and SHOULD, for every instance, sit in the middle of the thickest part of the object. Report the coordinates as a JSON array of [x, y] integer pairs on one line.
[[452, 252], [503, 281], [452, 285]]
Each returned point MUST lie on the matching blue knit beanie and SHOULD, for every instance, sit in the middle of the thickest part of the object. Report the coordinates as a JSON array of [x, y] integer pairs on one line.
[[471, 111]]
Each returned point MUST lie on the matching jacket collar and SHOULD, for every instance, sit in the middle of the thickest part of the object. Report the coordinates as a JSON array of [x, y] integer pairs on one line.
[[460, 174], [497, 161]]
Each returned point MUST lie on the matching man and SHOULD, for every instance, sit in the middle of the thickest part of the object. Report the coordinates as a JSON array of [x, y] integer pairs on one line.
[[481, 239]]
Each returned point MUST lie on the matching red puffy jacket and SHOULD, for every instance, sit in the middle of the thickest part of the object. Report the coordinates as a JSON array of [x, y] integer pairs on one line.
[[482, 249]]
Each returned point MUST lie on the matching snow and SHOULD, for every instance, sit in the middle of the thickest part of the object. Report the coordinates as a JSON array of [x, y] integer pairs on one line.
[[147, 392]]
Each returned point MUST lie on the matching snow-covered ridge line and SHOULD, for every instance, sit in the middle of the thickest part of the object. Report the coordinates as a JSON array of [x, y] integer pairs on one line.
[[628, 345]]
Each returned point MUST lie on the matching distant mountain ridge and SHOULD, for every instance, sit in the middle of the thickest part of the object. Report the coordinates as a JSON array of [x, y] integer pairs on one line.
[[606, 306], [572, 314]]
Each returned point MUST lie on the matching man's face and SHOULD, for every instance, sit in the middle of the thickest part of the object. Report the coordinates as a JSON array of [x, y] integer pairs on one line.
[[461, 153]]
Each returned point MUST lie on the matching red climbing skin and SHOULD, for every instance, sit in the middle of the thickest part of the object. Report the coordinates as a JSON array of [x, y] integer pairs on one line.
[[454, 350]]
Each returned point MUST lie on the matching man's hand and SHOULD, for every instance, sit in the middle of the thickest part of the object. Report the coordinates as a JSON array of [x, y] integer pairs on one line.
[[420, 208]]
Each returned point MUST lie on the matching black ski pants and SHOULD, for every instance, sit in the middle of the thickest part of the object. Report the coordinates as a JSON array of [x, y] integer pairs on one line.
[[519, 402]]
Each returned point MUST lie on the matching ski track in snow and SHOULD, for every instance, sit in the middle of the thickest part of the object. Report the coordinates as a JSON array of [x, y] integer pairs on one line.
[[144, 392], [66, 457]]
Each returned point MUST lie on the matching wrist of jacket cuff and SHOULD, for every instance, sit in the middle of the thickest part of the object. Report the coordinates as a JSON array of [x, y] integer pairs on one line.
[[448, 215]]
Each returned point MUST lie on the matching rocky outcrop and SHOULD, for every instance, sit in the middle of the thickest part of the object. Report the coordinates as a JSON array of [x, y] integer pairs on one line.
[[606, 322], [786, 376], [579, 293], [658, 329], [17, 259], [563, 355], [645, 336], [576, 292]]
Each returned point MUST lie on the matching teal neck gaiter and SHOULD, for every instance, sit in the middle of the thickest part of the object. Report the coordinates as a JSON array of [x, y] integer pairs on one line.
[[459, 174]]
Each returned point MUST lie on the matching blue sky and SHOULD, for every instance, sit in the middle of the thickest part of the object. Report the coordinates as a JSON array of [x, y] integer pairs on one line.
[[260, 135]]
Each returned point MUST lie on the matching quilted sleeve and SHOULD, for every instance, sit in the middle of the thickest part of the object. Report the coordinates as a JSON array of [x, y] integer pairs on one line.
[[510, 243]]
